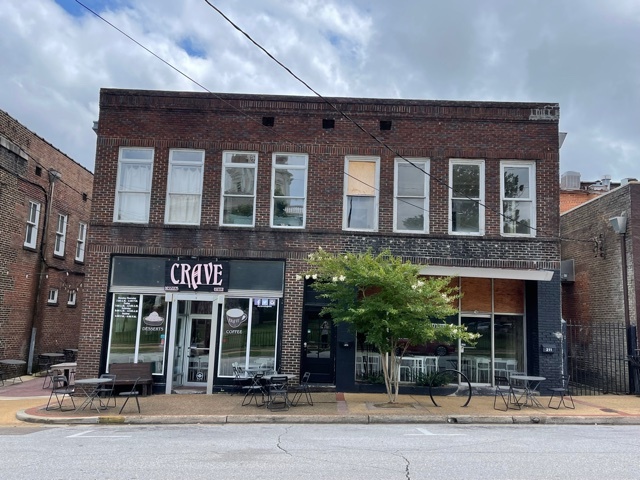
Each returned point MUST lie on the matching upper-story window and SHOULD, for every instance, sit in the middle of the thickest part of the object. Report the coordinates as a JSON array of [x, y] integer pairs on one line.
[[238, 188], [31, 236], [61, 236], [466, 205], [518, 194], [81, 243], [53, 296], [361, 187], [72, 298], [133, 190], [288, 190], [184, 187], [411, 195]]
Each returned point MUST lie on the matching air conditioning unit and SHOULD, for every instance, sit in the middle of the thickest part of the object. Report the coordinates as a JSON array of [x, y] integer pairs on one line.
[[567, 271]]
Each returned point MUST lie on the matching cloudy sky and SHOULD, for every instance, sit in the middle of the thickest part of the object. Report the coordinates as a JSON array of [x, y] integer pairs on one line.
[[582, 54]]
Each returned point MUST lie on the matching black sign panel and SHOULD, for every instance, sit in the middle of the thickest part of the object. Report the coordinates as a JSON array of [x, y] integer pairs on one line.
[[199, 275]]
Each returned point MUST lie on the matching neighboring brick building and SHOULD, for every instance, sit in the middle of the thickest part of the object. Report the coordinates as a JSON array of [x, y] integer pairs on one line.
[[601, 288], [206, 206], [41, 294]]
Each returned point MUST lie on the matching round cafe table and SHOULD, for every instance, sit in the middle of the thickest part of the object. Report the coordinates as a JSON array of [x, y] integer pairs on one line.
[[12, 367]]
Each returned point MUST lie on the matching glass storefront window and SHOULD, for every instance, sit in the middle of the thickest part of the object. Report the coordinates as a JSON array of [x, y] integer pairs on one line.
[[249, 328], [138, 330]]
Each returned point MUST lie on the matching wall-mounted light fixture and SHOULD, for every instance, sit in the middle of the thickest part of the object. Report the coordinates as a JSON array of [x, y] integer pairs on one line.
[[619, 224]]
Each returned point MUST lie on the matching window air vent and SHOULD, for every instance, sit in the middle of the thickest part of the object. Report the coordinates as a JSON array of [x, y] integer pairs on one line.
[[385, 124], [268, 121], [328, 123], [39, 171]]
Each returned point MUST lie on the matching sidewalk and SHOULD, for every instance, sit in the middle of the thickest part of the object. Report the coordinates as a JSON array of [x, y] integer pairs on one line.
[[26, 402]]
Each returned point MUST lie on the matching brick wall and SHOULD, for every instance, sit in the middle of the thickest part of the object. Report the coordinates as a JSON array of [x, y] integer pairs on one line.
[[596, 294], [25, 159]]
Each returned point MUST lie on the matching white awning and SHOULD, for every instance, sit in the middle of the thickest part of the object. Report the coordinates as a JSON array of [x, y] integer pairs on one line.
[[478, 272]]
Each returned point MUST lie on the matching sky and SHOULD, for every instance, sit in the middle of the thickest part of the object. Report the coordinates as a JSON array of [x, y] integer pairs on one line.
[[582, 54]]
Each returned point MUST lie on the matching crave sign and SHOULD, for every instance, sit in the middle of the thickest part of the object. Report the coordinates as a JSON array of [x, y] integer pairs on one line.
[[196, 275]]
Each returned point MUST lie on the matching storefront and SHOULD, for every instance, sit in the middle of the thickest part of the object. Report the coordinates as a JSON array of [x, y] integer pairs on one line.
[[193, 319]]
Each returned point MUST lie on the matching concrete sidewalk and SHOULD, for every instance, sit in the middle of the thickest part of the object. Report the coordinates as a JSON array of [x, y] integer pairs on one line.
[[26, 402]]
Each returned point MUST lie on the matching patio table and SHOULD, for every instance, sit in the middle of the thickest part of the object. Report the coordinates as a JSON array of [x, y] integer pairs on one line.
[[531, 384]]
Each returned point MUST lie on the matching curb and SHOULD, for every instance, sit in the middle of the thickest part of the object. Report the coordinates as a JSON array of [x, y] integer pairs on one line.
[[326, 419]]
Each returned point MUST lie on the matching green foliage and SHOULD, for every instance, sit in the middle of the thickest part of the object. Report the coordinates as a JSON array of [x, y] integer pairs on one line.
[[384, 298], [434, 379]]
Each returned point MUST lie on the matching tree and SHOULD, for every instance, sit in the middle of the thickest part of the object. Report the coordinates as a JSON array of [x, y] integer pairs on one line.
[[385, 299]]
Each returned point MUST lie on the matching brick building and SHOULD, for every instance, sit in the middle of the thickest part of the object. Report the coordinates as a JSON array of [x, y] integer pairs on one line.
[[46, 204], [600, 286], [206, 206]]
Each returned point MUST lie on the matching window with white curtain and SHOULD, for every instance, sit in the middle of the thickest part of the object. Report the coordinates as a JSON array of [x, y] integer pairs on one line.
[[411, 195], [361, 189], [80, 244], [289, 190], [133, 187], [31, 236], [238, 188], [61, 236], [184, 187]]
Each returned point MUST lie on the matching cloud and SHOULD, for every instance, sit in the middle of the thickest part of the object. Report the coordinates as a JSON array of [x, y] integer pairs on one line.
[[579, 54]]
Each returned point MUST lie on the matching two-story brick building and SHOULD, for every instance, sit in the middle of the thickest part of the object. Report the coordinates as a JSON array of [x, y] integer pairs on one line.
[[46, 203], [206, 206]]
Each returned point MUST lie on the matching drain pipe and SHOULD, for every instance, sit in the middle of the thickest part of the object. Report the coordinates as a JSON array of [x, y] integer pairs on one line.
[[42, 268]]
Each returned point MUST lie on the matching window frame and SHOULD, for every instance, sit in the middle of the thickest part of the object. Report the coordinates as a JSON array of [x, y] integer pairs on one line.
[[32, 225], [480, 199], [73, 297], [531, 166], [60, 241], [81, 242], [52, 298], [274, 169], [348, 160], [178, 163], [424, 163], [227, 155], [121, 191]]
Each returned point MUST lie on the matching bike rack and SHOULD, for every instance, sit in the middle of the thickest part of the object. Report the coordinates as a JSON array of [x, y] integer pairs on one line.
[[454, 371]]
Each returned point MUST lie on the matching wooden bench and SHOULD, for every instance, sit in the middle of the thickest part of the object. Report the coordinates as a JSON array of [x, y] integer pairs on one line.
[[127, 373]]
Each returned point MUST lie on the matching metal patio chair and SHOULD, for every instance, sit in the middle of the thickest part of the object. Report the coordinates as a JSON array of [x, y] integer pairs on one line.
[[302, 389], [131, 393], [252, 391], [60, 388], [562, 392], [506, 392], [278, 390]]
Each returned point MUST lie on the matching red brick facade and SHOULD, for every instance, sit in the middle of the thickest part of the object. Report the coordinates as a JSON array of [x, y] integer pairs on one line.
[[437, 130], [28, 274]]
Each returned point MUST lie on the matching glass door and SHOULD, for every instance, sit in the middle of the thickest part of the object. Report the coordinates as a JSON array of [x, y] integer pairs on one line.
[[508, 344], [476, 359]]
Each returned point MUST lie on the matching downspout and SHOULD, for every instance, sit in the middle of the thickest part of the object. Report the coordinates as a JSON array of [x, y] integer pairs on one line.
[[42, 268]]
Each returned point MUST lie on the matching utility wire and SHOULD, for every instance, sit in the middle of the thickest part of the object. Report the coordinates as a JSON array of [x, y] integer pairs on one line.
[[334, 107]]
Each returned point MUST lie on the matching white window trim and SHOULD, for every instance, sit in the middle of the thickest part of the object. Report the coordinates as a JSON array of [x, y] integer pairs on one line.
[[32, 226], [61, 235], [81, 242], [172, 163], [72, 297], [420, 163], [274, 168], [53, 296], [226, 154], [532, 190], [122, 161], [481, 212], [376, 189]]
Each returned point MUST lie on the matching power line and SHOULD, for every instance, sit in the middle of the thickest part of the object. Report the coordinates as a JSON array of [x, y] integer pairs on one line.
[[360, 127], [334, 107]]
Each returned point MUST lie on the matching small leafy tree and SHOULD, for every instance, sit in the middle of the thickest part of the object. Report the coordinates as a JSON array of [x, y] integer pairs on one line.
[[386, 300]]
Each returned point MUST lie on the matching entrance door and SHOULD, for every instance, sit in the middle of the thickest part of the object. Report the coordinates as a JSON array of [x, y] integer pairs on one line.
[[318, 348], [198, 336], [476, 360]]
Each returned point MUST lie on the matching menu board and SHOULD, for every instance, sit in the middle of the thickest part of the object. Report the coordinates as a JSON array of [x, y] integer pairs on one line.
[[126, 306]]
